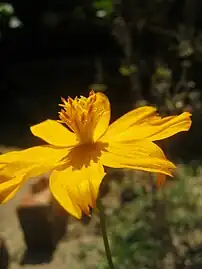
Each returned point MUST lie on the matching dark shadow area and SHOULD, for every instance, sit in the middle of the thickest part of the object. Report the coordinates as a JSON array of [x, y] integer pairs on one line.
[[4, 255], [58, 53], [36, 257], [63, 48]]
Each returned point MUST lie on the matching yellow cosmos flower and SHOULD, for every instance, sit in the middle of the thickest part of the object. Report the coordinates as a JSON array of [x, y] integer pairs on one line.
[[82, 142]]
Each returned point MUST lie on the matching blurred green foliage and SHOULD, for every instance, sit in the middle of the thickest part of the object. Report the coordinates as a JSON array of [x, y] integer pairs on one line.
[[6, 9], [127, 70], [105, 6], [158, 230]]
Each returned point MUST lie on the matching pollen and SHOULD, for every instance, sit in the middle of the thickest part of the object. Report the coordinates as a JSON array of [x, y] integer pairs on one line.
[[80, 115]]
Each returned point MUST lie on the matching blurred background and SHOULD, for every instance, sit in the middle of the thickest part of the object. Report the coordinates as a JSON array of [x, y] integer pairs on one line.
[[137, 52]]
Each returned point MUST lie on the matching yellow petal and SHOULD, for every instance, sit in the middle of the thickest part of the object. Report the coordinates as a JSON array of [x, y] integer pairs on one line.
[[169, 126], [102, 106], [54, 133], [154, 128], [34, 155], [128, 120], [14, 175], [8, 188], [19, 166], [77, 189], [142, 155]]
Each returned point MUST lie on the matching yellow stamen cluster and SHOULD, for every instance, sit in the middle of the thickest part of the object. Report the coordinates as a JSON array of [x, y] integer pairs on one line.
[[79, 115]]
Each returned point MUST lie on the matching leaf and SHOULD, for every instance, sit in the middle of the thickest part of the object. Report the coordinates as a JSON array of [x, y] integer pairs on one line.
[[98, 87], [105, 5], [127, 70]]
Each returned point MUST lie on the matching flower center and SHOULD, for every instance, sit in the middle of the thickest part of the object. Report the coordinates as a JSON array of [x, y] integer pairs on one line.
[[81, 116]]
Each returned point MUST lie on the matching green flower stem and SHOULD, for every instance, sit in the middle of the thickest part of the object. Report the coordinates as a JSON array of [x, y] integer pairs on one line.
[[104, 233]]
